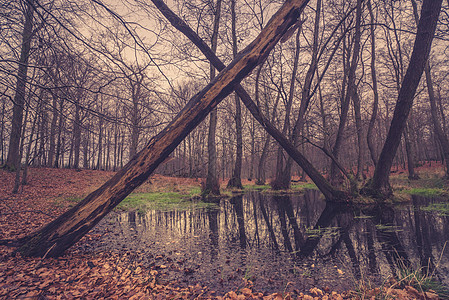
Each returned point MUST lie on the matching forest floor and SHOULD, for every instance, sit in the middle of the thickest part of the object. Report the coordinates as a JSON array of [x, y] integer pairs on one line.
[[100, 275]]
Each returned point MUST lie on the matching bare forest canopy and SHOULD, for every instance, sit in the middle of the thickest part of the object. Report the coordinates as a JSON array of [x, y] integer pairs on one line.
[[351, 87]]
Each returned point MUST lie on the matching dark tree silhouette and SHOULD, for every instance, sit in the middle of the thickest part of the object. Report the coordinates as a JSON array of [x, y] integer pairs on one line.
[[13, 159], [379, 185]]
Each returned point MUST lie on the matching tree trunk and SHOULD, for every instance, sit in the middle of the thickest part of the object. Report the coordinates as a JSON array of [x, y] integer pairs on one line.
[[136, 86], [372, 122], [283, 174], [27, 155], [54, 122], [305, 93], [236, 179], [18, 166], [59, 141], [2, 131], [86, 148], [379, 186], [77, 133], [412, 175], [24, 180], [19, 97], [100, 143], [260, 180], [359, 129], [115, 156], [212, 182], [336, 175], [57, 236], [442, 138]]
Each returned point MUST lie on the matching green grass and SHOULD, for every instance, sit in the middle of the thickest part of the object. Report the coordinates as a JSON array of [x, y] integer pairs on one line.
[[423, 282], [194, 191], [320, 232], [304, 186], [429, 185], [257, 187], [388, 228], [294, 187], [442, 208], [163, 201], [425, 192]]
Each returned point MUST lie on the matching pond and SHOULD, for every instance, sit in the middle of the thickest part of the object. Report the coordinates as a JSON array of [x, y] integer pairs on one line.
[[282, 242]]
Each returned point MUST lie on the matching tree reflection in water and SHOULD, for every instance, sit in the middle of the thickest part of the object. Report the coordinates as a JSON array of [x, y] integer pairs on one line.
[[276, 239]]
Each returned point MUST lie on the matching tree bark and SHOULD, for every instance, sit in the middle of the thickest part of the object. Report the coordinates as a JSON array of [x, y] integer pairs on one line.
[[441, 135], [236, 179], [442, 138], [59, 141], [67, 229], [136, 95], [54, 122], [100, 143], [305, 93], [77, 131], [19, 97], [260, 173], [283, 173], [372, 121], [359, 129], [18, 166], [2, 131], [379, 186], [410, 152], [28, 152], [336, 176], [212, 182]]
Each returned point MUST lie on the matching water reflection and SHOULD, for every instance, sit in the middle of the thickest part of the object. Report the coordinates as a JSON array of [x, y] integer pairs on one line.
[[274, 240]]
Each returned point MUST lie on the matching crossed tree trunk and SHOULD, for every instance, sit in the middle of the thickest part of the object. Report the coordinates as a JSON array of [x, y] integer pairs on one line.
[[53, 239], [329, 192]]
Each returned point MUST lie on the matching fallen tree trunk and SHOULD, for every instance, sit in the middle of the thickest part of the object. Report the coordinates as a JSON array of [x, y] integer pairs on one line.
[[330, 193], [54, 238]]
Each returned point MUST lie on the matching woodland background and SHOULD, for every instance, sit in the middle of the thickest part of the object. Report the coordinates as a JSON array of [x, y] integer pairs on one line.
[[86, 84]]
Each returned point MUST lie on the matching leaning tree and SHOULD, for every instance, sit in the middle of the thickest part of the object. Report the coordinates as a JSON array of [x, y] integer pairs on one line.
[[54, 238]]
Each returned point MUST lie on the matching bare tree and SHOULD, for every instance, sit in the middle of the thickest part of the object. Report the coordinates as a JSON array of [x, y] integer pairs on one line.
[[236, 179], [212, 185], [369, 136], [442, 138], [379, 186], [12, 161], [335, 175]]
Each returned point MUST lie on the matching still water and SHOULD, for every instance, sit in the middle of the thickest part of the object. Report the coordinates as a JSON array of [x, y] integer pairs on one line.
[[282, 243]]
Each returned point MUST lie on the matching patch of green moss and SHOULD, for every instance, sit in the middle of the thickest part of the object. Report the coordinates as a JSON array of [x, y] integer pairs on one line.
[[442, 208], [194, 191], [294, 188], [425, 192], [257, 187], [163, 201], [304, 186]]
